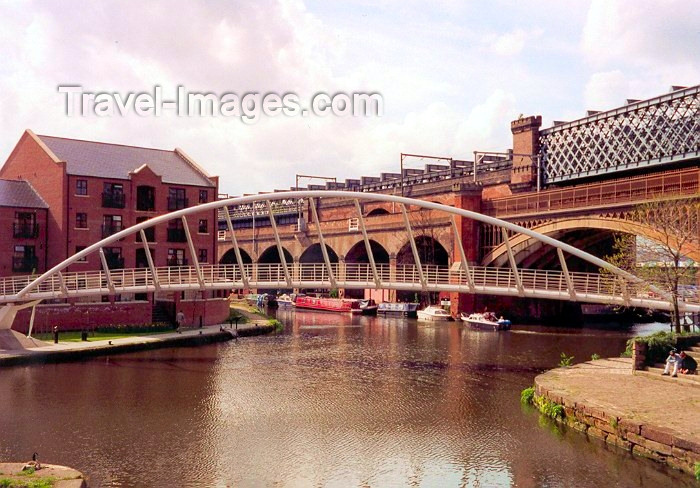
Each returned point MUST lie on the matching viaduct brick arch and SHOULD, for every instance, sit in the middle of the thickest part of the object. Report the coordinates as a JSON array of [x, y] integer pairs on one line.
[[523, 246]]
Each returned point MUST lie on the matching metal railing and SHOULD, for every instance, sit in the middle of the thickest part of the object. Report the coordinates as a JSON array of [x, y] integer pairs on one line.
[[113, 200], [622, 190], [535, 283], [25, 230]]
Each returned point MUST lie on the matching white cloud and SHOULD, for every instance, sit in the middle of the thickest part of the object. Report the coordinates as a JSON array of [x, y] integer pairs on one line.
[[606, 90], [450, 75], [641, 32]]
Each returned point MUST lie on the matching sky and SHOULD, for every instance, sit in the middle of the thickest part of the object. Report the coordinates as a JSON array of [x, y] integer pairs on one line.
[[452, 75]]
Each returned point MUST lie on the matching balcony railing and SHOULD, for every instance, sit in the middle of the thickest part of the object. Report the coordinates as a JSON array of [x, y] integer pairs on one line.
[[109, 229], [177, 262], [175, 203], [145, 204], [24, 264], [26, 231], [150, 235], [177, 235], [114, 262], [113, 200]]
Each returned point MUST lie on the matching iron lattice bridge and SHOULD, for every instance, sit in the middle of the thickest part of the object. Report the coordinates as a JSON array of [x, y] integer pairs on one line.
[[614, 286]]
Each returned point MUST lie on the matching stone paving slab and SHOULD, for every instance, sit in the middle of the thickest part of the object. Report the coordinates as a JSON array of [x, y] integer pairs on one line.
[[611, 385]]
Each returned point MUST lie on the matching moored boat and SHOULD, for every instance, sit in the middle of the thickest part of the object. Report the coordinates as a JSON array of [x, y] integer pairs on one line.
[[285, 301], [404, 309], [433, 313], [345, 305], [486, 320], [368, 307]]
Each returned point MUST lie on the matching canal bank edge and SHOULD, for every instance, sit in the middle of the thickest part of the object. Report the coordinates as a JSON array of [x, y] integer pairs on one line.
[[616, 422], [24, 473], [82, 350]]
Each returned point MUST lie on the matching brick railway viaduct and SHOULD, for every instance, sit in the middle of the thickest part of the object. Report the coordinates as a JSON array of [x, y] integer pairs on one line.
[[576, 181]]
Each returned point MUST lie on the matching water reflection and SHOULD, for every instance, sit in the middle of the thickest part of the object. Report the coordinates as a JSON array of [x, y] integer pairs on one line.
[[334, 401]]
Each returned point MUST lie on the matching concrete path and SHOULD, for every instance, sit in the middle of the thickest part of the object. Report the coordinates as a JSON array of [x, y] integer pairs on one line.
[[93, 347], [611, 385]]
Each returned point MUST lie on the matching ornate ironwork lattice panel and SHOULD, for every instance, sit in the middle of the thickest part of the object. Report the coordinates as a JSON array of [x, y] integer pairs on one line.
[[651, 132]]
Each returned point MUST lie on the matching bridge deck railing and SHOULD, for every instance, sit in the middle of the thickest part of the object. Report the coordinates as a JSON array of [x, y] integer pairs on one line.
[[621, 190], [530, 282]]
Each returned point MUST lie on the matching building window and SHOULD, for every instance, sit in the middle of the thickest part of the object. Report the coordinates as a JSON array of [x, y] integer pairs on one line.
[[81, 187], [113, 256], [81, 220], [202, 256], [77, 250], [111, 224], [150, 232], [142, 258], [176, 231], [176, 199], [176, 257], [146, 198], [203, 226], [113, 195], [24, 259], [25, 225], [203, 196]]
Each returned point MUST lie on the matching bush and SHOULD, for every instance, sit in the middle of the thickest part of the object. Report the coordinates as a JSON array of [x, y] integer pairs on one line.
[[276, 324], [658, 345], [595, 356], [548, 407], [565, 360], [697, 471], [527, 394]]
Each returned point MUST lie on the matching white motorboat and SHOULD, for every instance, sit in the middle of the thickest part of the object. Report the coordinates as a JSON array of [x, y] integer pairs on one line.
[[285, 301], [486, 320], [433, 313]]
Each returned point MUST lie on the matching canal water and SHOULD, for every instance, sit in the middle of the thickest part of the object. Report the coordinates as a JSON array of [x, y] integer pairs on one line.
[[333, 401]]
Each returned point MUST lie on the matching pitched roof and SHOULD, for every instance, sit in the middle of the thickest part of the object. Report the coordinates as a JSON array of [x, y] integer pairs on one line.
[[104, 160], [16, 193]]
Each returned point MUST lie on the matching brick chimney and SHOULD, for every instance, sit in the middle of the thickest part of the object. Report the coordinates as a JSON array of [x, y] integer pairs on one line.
[[526, 136]]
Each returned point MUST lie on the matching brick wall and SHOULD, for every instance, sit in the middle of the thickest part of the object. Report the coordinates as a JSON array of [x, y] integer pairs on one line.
[[29, 161], [81, 316], [8, 241]]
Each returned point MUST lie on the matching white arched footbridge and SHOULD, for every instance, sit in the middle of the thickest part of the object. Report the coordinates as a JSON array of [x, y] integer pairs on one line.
[[614, 286]]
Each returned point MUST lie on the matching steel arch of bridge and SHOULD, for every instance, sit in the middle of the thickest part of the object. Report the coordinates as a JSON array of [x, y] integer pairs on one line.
[[618, 287]]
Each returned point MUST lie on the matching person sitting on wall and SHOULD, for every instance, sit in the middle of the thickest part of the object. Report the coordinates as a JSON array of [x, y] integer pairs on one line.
[[671, 362], [687, 364]]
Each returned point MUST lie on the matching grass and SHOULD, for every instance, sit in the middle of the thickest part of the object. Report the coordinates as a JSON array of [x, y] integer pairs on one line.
[[75, 336], [27, 483]]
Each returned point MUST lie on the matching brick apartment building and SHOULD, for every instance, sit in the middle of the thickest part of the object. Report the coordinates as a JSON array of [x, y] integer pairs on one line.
[[23, 237], [90, 190]]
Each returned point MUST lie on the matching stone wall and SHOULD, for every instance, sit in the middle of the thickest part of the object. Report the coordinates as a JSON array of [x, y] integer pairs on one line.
[[657, 443]]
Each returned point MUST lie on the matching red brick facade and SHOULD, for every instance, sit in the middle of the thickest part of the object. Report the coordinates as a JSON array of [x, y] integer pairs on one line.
[[80, 214], [16, 235], [86, 203]]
